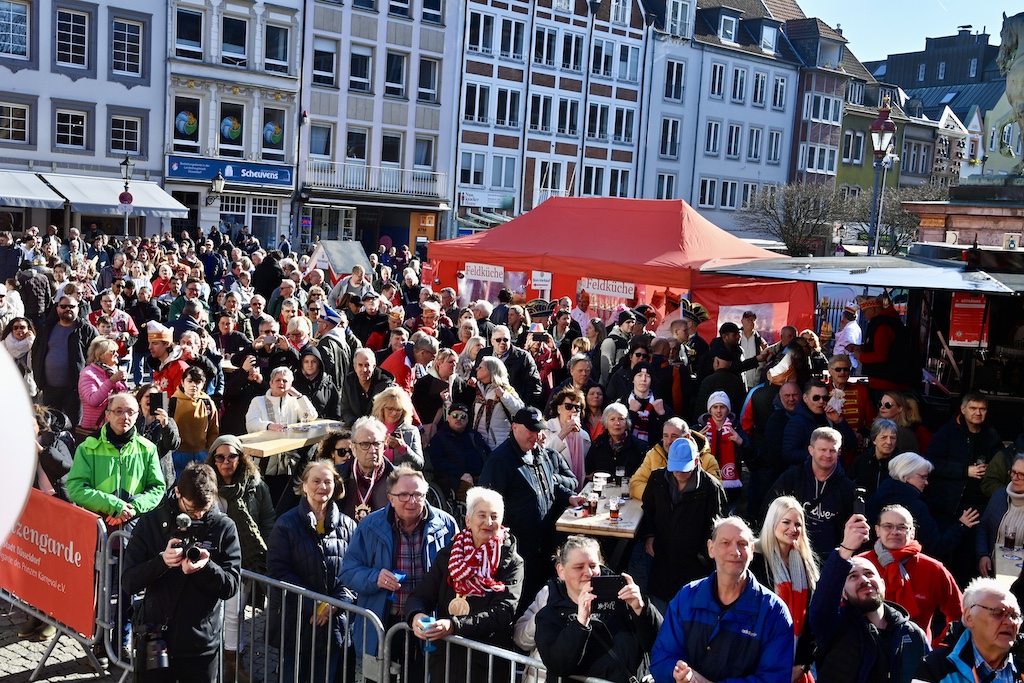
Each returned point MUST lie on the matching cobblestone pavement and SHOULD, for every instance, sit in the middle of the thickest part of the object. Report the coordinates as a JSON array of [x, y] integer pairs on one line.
[[19, 657]]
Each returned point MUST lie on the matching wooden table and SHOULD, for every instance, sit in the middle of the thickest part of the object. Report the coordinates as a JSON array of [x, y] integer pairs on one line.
[[266, 443], [1007, 569], [630, 513]]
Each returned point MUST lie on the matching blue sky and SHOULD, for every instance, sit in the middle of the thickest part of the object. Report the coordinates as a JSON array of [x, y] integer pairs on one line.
[[908, 22]]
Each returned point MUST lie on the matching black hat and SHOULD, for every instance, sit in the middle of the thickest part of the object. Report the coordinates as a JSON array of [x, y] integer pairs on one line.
[[723, 354], [459, 406], [369, 294], [642, 366], [529, 418], [626, 316], [726, 328]]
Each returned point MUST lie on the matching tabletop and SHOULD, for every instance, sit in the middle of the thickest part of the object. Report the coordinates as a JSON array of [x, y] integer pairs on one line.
[[1007, 565], [265, 443], [630, 513]]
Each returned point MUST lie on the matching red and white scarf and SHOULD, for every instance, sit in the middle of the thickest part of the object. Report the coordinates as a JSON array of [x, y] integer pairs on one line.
[[791, 585], [724, 450], [471, 570]]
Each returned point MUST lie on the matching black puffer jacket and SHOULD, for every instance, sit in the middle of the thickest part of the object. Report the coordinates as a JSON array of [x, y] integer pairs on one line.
[[356, 403], [321, 390]]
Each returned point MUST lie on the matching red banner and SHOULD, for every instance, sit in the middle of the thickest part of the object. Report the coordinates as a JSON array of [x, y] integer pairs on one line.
[[968, 320], [49, 561]]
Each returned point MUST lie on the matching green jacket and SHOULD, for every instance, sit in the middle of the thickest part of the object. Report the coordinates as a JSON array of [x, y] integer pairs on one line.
[[99, 473]]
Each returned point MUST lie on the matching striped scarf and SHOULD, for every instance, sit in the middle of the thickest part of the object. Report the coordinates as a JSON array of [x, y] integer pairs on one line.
[[791, 585], [471, 570]]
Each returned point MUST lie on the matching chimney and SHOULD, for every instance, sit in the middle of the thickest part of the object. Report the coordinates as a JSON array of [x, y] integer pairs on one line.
[[839, 29]]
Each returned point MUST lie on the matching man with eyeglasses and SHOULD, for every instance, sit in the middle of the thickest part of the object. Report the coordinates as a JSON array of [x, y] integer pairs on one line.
[[861, 638], [370, 319], [366, 487], [404, 536], [983, 651], [813, 412], [456, 453], [192, 292], [857, 410], [523, 374], [58, 356], [402, 363], [918, 583]]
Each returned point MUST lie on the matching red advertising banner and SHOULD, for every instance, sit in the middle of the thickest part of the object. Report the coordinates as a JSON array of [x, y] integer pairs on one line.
[[49, 561], [968, 322]]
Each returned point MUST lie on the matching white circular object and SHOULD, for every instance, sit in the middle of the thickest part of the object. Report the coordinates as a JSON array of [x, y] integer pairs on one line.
[[19, 444]]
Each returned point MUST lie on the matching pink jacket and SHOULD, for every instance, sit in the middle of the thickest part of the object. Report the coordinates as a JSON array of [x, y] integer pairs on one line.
[[95, 388]]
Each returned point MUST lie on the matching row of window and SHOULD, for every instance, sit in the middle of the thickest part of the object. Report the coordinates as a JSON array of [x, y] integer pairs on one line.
[[737, 86], [357, 146], [734, 147], [234, 139], [431, 11], [553, 47], [597, 181], [817, 159], [73, 126], [823, 108], [236, 41], [721, 193], [361, 71], [619, 14], [917, 157], [940, 70]]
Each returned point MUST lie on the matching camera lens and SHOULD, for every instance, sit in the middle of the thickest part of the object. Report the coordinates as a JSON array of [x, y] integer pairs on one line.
[[193, 553]]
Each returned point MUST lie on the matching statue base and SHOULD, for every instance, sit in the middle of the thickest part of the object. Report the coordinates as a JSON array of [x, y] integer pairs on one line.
[[986, 209]]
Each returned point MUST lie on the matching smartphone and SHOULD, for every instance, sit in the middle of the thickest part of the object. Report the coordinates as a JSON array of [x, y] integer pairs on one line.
[[858, 501], [157, 401], [607, 588], [270, 340]]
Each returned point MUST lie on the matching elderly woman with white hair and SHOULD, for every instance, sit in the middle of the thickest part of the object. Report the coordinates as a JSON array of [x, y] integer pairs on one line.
[[496, 401], [909, 474], [616, 446]]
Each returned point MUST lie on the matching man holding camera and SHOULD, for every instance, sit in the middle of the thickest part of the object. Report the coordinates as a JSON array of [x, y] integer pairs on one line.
[[186, 555]]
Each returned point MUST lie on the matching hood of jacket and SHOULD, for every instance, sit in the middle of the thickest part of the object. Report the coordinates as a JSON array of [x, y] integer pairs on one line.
[[311, 350]]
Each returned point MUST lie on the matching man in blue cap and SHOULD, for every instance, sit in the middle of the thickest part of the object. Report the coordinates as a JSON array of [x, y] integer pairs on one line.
[[336, 345]]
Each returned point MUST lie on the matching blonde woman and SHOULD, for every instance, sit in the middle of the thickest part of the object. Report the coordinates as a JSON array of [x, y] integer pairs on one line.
[[496, 401], [467, 358], [100, 379], [393, 407]]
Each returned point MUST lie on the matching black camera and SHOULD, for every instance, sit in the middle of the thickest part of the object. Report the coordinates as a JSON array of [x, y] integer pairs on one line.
[[188, 529], [153, 647]]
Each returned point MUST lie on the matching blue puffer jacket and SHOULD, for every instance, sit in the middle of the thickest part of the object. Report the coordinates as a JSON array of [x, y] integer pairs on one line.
[[373, 548], [297, 554], [953, 665], [752, 641]]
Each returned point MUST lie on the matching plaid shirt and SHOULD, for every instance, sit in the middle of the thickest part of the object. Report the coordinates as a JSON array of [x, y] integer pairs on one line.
[[408, 559]]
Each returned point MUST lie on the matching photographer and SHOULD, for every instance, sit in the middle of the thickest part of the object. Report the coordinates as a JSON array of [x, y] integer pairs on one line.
[[185, 554]]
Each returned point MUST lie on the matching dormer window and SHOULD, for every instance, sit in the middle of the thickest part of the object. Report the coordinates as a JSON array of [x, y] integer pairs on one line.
[[727, 29], [769, 34]]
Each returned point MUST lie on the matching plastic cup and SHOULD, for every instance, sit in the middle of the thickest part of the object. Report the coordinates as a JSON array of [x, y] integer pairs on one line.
[[428, 646]]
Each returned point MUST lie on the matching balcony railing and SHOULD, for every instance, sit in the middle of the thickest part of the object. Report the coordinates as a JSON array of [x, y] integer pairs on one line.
[[359, 178]]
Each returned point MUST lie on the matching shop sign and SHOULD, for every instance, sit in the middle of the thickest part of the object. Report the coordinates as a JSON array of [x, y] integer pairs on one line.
[[540, 279], [484, 272], [595, 287], [486, 200], [968, 322], [234, 172]]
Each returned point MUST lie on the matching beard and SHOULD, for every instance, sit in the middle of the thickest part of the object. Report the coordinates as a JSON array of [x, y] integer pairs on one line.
[[866, 604]]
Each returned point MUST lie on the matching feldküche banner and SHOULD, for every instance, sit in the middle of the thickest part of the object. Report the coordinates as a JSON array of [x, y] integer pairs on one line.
[[49, 561]]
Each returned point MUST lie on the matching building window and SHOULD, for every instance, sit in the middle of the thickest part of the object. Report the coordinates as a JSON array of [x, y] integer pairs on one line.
[[360, 69], [563, 5], [14, 19], [432, 11], [727, 29], [769, 34], [320, 138], [125, 134], [540, 113], [818, 159], [546, 40], [550, 179], [572, 51], [847, 146], [188, 35], [620, 11], [503, 172], [730, 192], [629, 63], [475, 106], [604, 53], [394, 76], [593, 181], [779, 93], [356, 145], [623, 131], [391, 148], [666, 186], [264, 216], [858, 148], [365, 4], [973, 71], [187, 115], [126, 57], [325, 61], [233, 42], [855, 92], [398, 8], [232, 130], [568, 116], [618, 182], [597, 122], [508, 108], [427, 91], [942, 71], [754, 145], [675, 78], [513, 34], [739, 84], [275, 52], [471, 169], [921, 72], [423, 154], [669, 138], [733, 141], [823, 109], [757, 97], [678, 15], [748, 195], [481, 30], [774, 154], [716, 88], [72, 35], [711, 135], [13, 123], [708, 193], [71, 129], [274, 134]]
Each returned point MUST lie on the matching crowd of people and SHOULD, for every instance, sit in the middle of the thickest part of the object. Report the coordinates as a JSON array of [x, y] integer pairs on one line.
[[467, 430]]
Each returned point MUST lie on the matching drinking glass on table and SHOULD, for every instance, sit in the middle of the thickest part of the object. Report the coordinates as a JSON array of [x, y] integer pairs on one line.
[[620, 472], [613, 510]]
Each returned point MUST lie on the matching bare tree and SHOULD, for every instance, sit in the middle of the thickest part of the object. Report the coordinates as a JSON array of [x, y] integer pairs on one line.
[[801, 216], [897, 227]]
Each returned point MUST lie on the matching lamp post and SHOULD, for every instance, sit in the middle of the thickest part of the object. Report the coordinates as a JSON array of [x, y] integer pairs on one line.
[[216, 188], [127, 169], [883, 132]]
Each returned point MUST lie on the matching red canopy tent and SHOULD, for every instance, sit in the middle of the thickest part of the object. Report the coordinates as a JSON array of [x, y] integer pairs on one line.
[[659, 243]]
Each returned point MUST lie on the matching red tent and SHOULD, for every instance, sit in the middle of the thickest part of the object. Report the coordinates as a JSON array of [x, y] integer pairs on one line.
[[660, 243]]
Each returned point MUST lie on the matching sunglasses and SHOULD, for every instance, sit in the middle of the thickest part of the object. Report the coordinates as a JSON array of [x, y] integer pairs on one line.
[[886, 404], [222, 458], [840, 369], [501, 341], [640, 354], [817, 398], [458, 416], [343, 451], [64, 307], [575, 407]]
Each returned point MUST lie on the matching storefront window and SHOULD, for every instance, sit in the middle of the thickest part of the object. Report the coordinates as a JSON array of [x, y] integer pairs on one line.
[[264, 220], [232, 213]]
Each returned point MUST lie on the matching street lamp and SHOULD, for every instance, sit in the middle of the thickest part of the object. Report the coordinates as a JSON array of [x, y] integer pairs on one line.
[[127, 169], [883, 132], [216, 189]]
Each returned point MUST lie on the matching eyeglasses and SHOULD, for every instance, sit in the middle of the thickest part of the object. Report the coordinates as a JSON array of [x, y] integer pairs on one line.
[[501, 341], [405, 496], [221, 458], [295, 335], [840, 368], [65, 307], [315, 310], [640, 354], [18, 327], [886, 404], [889, 528], [575, 407], [458, 416], [1001, 613], [1014, 474], [818, 397], [343, 451], [121, 412], [367, 446]]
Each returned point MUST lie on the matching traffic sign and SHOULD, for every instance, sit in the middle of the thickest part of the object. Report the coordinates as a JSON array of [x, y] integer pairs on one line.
[[125, 198]]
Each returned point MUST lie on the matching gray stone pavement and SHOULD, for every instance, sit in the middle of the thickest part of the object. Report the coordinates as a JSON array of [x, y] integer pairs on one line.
[[19, 657]]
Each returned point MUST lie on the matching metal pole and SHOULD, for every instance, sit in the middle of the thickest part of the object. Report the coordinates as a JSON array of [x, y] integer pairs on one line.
[[873, 225]]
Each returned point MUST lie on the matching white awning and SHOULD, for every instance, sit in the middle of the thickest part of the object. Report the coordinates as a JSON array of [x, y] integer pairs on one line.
[[26, 189], [100, 196]]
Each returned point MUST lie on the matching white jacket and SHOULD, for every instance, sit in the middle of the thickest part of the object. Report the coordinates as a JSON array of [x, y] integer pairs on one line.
[[286, 409]]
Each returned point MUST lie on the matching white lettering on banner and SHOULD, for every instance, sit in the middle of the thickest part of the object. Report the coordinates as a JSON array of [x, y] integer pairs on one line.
[[484, 272], [624, 290], [540, 279], [47, 545]]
